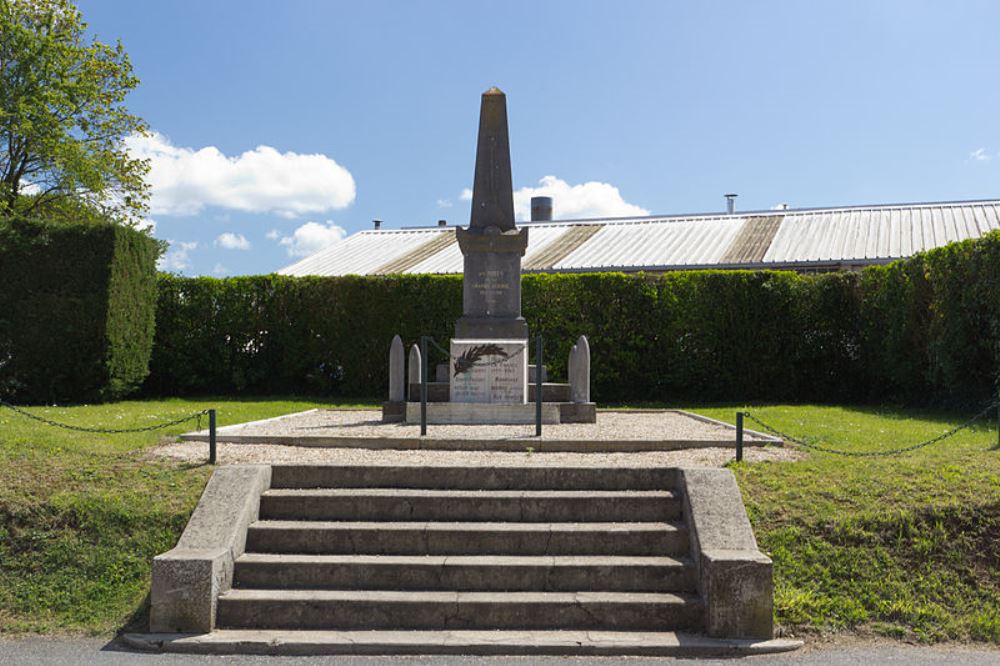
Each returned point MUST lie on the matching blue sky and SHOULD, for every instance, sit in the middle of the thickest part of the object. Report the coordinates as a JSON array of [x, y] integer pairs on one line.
[[282, 125]]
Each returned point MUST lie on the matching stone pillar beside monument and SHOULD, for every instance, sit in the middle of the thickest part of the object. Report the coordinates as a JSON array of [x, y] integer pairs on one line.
[[394, 409]]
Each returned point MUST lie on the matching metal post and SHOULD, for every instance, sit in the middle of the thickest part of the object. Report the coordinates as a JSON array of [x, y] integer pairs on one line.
[[538, 386], [739, 436], [211, 437], [423, 385]]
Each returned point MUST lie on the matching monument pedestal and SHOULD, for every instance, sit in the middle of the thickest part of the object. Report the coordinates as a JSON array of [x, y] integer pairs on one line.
[[491, 288]]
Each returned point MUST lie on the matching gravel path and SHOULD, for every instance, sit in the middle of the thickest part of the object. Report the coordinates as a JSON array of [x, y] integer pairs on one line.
[[366, 424], [610, 426], [270, 453]]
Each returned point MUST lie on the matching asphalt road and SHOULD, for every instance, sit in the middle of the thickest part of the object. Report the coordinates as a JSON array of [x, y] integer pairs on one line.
[[36, 651]]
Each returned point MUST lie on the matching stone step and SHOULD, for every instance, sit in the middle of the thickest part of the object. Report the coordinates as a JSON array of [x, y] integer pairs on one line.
[[528, 643], [473, 478], [367, 609], [468, 505], [551, 392], [466, 573], [436, 392], [457, 538]]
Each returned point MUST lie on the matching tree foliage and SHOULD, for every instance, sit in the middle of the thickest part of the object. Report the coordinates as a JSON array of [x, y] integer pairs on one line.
[[63, 124]]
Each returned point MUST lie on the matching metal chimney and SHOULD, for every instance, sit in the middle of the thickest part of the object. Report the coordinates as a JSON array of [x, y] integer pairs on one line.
[[377, 224], [541, 209], [442, 223], [731, 203]]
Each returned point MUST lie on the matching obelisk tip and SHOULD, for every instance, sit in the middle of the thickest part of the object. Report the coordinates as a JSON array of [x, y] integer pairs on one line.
[[493, 91]]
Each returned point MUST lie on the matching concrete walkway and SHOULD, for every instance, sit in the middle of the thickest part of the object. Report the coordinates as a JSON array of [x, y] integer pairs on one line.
[[38, 651]]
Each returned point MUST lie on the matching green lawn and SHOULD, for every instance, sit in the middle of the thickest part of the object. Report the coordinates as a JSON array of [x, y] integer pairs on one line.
[[82, 515], [903, 546]]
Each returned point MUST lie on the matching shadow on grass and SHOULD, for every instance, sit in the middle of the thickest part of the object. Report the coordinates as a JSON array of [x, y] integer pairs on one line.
[[332, 401]]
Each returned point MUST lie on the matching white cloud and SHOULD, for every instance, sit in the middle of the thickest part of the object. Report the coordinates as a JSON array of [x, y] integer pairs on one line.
[[262, 180], [176, 258], [28, 188], [569, 202], [231, 241], [273, 234], [146, 224], [466, 195], [444, 203], [220, 269], [980, 155], [312, 237]]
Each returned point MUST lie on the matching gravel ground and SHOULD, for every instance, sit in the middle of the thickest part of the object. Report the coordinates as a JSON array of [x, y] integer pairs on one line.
[[354, 423], [610, 426], [269, 453]]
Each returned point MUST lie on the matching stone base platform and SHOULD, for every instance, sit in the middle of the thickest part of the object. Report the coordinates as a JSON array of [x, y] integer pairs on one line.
[[463, 413], [446, 413], [616, 431]]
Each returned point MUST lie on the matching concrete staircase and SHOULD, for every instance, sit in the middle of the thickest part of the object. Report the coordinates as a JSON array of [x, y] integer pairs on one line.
[[456, 548], [292, 559]]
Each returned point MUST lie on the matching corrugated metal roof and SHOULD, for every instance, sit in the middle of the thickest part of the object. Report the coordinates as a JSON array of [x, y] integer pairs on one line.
[[868, 235], [787, 238]]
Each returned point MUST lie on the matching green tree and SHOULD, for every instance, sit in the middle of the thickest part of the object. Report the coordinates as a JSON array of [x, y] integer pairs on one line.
[[63, 123]]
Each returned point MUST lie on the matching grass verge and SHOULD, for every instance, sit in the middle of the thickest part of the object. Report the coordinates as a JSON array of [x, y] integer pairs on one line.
[[903, 546]]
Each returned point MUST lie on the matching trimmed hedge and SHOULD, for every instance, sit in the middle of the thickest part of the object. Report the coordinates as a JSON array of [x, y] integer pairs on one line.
[[277, 335], [695, 335], [76, 310], [925, 329]]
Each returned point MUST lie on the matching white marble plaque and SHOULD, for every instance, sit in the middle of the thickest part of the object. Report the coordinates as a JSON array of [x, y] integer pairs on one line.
[[489, 371]]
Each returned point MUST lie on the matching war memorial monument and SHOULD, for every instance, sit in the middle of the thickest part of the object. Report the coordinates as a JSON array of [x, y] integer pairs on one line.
[[488, 379]]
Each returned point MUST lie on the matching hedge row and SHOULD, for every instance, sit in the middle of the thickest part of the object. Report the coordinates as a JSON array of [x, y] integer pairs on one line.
[[76, 310], [924, 329]]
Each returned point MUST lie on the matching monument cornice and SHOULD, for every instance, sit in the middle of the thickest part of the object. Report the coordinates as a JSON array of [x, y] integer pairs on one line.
[[492, 239]]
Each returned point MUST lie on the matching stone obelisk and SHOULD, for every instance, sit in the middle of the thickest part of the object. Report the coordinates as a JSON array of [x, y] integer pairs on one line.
[[492, 246]]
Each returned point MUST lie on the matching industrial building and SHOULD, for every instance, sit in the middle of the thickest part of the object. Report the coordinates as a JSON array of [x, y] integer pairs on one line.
[[807, 239]]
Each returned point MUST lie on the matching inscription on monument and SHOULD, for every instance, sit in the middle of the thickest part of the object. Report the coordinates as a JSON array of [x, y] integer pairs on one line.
[[492, 372], [491, 286]]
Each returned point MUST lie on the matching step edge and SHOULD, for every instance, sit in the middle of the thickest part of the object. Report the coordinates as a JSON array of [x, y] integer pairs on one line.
[[264, 595], [423, 525], [455, 642]]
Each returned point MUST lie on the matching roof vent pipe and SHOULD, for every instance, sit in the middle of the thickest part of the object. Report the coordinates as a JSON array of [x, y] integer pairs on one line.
[[377, 224], [442, 223], [731, 203], [541, 209]]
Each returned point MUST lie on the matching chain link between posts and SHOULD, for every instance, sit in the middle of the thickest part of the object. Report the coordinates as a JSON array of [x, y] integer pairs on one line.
[[439, 347], [106, 431], [871, 454]]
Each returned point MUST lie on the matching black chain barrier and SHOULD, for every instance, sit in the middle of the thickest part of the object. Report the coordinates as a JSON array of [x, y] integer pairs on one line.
[[439, 347], [871, 454], [105, 431]]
